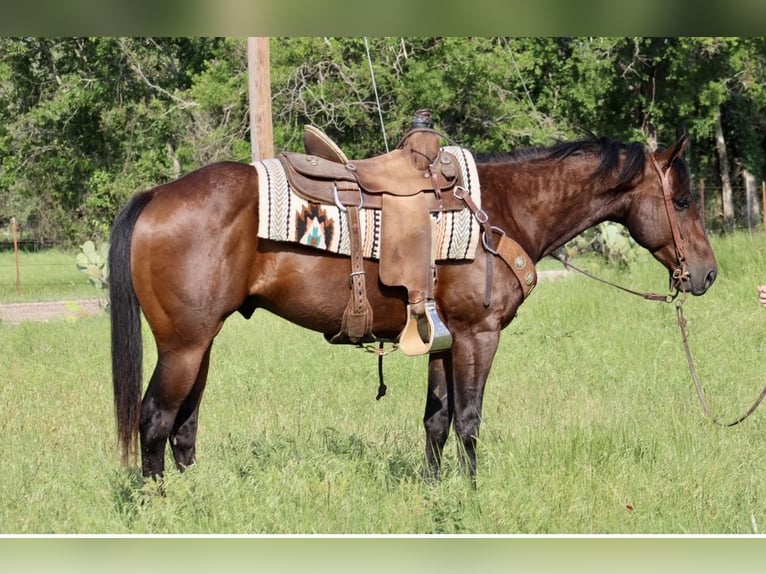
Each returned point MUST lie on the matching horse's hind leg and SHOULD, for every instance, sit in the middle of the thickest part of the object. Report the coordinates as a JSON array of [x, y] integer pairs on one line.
[[174, 388], [183, 436]]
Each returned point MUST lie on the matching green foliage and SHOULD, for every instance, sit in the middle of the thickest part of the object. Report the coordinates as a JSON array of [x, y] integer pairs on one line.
[[87, 122], [94, 263]]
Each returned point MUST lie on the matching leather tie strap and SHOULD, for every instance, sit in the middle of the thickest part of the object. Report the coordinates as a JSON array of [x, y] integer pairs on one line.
[[356, 324]]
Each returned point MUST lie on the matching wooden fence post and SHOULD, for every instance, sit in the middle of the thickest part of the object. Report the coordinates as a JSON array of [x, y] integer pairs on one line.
[[763, 202], [16, 254]]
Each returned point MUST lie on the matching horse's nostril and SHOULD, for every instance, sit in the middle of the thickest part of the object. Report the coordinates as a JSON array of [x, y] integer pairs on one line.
[[710, 278]]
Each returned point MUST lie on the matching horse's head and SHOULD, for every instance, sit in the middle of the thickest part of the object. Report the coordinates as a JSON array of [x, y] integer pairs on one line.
[[663, 218]]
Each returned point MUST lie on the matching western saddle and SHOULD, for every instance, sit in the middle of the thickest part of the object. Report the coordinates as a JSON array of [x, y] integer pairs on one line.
[[408, 185]]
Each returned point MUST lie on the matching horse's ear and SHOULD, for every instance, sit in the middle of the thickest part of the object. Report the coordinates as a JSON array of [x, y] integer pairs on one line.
[[668, 156]]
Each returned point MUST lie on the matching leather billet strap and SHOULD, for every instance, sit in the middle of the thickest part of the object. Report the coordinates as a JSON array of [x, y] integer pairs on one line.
[[511, 253]]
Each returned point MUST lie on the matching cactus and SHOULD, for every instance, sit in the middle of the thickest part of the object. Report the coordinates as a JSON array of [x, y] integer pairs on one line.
[[93, 262], [610, 240]]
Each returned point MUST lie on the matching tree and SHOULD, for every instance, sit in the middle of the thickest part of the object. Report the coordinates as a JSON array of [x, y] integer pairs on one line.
[[87, 122], [717, 86]]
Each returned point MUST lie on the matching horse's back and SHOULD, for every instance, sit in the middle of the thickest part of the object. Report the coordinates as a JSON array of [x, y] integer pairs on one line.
[[227, 184]]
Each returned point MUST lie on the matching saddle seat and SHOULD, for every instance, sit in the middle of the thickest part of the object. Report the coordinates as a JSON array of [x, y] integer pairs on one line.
[[407, 184], [364, 182]]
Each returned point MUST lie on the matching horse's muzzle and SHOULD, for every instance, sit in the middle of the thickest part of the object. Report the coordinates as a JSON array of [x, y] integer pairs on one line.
[[694, 283]]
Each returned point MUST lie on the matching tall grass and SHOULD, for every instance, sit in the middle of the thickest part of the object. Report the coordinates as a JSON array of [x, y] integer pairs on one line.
[[591, 425]]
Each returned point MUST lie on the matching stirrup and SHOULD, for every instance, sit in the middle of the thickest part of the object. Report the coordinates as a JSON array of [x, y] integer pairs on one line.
[[424, 333]]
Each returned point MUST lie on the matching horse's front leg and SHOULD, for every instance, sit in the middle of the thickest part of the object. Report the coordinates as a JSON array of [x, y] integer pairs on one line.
[[471, 360], [438, 415]]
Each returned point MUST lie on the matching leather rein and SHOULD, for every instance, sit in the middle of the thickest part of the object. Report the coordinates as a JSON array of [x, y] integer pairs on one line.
[[678, 274]]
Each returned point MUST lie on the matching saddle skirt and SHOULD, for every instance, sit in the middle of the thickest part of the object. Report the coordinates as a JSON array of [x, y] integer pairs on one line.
[[286, 216]]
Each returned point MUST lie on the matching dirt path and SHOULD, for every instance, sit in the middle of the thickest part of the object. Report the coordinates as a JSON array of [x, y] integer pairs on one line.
[[47, 310]]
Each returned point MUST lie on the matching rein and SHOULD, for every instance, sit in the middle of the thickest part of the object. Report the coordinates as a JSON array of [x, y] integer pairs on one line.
[[678, 274], [698, 386], [649, 296]]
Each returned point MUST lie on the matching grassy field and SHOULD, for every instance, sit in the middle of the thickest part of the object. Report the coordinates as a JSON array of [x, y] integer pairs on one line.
[[591, 425], [43, 276]]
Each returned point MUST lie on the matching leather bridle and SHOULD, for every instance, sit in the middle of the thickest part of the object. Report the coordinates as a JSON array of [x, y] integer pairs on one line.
[[680, 273]]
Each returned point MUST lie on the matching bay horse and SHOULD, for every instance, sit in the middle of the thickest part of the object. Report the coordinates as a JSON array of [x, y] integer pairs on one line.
[[186, 254]]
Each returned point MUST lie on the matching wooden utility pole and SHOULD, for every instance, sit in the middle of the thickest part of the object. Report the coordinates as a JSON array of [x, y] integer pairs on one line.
[[259, 90]]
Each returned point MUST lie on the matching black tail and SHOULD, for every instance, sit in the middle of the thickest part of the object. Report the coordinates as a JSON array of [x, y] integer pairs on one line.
[[125, 314]]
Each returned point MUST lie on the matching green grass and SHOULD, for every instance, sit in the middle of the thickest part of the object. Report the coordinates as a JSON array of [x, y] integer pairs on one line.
[[591, 425], [44, 276]]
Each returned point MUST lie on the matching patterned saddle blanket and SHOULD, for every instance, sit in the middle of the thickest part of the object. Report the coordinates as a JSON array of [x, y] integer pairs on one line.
[[286, 216]]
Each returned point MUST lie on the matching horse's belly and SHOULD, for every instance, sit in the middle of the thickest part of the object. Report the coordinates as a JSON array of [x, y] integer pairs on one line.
[[313, 291]]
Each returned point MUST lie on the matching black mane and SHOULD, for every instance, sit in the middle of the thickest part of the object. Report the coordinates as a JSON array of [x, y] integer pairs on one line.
[[608, 150]]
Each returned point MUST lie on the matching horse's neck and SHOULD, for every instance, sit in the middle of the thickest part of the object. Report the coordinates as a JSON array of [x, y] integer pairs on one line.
[[543, 208]]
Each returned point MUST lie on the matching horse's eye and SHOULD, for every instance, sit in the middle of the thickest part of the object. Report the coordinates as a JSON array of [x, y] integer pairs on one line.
[[682, 203]]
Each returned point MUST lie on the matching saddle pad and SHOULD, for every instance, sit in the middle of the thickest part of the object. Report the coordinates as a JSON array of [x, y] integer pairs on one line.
[[285, 216]]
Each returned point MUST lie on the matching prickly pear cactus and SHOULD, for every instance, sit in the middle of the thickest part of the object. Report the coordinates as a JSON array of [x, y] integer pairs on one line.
[[94, 263], [617, 244], [610, 240]]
